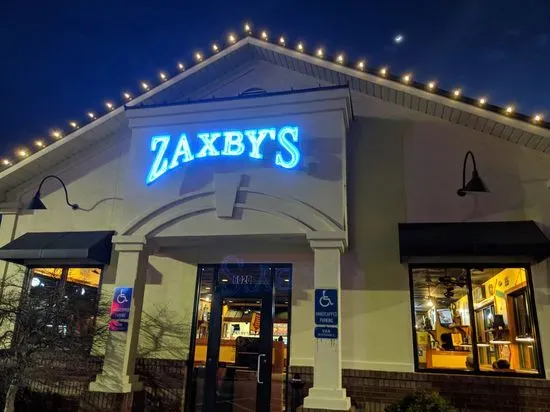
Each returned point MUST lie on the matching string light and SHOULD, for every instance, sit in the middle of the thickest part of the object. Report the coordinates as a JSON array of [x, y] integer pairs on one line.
[[482, 101], [300, 47], [127, 96], [538, 118], [163, 76], [56, 134], [282, 41], [340, 59], [264, 35], [232, 38], [91, 115], [6, 162], [144, 86], [509, 109], [181, 66], [320, 52], [74, 125], [39, 143], [457, 93], [22, 153], [431, 85], [361, 65], [198, 56], [247, 28], [383, 71], [110, 105], [407, 78], [215, 48]]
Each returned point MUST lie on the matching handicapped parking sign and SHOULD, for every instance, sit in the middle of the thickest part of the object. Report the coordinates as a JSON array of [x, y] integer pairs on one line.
[[326, 306], [122, 299]]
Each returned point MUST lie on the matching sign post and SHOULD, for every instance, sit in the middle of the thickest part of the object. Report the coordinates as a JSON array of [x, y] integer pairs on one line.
[[326, 313]]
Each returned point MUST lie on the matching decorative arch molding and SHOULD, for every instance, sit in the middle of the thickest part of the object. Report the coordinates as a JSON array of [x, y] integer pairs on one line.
[[308, 218]]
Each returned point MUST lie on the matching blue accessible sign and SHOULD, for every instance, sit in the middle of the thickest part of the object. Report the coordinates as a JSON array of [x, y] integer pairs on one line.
[[122, 300], [328, 332], [326, 307]]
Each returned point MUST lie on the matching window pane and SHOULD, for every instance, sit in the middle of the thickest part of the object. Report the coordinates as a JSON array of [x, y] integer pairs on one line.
[[443, 323], [84, 276], [505, 329]]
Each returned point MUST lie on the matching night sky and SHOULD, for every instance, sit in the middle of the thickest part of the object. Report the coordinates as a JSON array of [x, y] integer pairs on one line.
[[60, 59]]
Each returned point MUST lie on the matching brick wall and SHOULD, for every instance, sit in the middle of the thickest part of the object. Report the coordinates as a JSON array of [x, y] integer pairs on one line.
[[371, 391]]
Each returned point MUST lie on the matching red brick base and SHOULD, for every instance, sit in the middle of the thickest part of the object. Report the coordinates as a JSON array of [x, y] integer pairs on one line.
[[372, 391]]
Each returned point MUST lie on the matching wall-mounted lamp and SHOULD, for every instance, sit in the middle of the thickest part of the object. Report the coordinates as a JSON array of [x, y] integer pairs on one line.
[[37, 204], [475, 184]]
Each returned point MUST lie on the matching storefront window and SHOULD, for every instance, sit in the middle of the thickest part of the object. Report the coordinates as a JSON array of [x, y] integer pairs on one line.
[[75, 290], [478, 320]]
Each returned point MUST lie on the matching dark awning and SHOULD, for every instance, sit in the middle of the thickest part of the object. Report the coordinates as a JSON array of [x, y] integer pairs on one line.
[[470, 239], [59, 248]]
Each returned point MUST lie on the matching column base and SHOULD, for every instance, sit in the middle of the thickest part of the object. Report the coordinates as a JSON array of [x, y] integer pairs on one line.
[[327, 399], [116, 384]]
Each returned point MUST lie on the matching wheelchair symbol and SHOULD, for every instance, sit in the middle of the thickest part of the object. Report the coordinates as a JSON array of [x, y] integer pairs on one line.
[[121, 298], [325, 301]]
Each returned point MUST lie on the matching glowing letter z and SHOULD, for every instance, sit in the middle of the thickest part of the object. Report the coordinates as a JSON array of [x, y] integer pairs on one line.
[[159, 144]]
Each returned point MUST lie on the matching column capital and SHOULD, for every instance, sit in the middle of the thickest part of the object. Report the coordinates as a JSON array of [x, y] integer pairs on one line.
[[129, 243], [328, 240]]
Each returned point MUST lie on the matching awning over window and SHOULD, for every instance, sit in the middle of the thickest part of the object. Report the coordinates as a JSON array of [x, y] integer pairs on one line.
[[521, 239], [59, 248]]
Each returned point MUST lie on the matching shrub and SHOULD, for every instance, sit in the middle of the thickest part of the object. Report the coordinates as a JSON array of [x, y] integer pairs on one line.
[[422, 402]]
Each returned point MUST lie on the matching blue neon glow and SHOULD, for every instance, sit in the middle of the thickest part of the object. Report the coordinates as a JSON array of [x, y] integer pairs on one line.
[[289, 146], [234, 145], [223, 143]]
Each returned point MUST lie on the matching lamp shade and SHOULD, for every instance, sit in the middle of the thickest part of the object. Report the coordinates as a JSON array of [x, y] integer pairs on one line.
[[36, 203], [475, 184]]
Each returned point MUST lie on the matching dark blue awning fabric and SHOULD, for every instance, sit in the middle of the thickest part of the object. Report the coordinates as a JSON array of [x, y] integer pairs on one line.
[[60, 248], [504, 239]]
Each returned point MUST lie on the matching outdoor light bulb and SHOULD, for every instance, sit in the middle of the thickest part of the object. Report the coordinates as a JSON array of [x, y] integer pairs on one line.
[[320, 53], [35, 282], [163, 76], [247, 28], [74, 125], [198, 56], [383, 71], [56, 134], [300, 47], [109, 105], [456, 92], [91, 115], [6, 162], [282, 41], [39, 143], [264, 35], [538, 117], [407, 78], [361, 65], [482, 101], [215, 48], [431, 85], [181, 66], [509, 109], [23, 153], [340, 58], [127, 96], [430, 303], [144, 86]]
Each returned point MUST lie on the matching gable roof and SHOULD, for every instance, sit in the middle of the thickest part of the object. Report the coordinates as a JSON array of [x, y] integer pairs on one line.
[[415, 96]]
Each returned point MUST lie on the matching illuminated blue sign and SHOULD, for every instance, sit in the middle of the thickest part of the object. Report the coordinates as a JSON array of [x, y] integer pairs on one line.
[[226, 143]]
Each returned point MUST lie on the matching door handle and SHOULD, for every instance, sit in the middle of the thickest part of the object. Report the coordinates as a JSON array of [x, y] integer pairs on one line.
[[258, 368]]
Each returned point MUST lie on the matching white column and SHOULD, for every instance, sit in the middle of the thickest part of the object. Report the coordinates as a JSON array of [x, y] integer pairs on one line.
[[120, 354], [8, 228], [327, 391]]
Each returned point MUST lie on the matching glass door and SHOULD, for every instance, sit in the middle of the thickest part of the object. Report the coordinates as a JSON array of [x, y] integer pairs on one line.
[[239, 355]]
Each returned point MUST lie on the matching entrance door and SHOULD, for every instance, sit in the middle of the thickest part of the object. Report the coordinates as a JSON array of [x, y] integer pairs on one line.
[[239, 354]]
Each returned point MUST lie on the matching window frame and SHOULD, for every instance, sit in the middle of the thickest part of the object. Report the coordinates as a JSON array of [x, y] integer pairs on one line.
[[530, 296], [29, 274]]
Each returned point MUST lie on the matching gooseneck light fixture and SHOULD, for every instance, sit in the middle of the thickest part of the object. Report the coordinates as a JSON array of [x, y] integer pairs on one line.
[[475, 184], [37, 204]]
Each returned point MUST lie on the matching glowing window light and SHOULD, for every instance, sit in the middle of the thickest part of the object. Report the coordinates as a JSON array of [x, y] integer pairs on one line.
[[509, 109], [215, 48], [91, 115], [361, 65], [127, 96], [340, 59], [144, 86], [320, 52], [300, 47], [538, 118], [431, 85], [407, 78], [264, 35], [457, 93]]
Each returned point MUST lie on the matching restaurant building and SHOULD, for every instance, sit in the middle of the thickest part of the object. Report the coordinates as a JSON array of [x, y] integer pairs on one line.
[[271, 212]]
